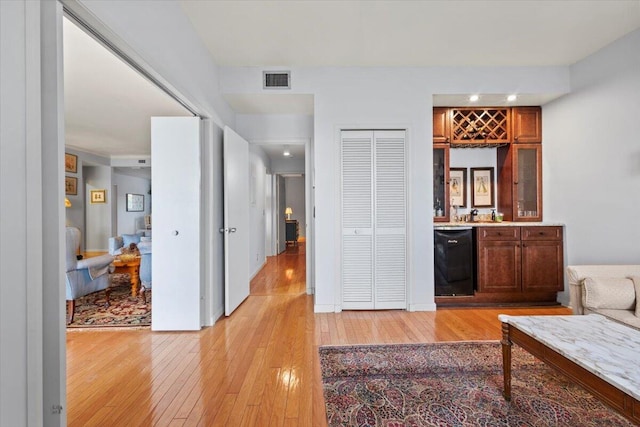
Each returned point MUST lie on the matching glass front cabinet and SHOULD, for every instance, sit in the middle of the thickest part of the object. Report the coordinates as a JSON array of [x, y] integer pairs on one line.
[[441, 182], [520, 182]]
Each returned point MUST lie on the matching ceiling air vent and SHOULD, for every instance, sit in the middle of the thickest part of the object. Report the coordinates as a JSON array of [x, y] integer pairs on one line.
[[276, 79]]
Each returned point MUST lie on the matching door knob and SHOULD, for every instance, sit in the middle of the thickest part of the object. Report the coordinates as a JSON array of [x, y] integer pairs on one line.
[[175, 232], [232, 230]]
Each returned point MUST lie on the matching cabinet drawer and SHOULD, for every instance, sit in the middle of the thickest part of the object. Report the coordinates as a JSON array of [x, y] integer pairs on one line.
[[498, 233], [541, 233]]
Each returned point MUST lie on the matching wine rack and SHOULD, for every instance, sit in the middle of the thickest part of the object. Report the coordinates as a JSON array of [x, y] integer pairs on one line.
[[480, 126]]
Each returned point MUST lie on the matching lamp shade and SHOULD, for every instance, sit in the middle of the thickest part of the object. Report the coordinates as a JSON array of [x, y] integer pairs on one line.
[[67, 203], [288, 211]]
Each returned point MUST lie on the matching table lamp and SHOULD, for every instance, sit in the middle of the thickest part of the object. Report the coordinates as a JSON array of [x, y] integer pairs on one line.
[[288, 212]]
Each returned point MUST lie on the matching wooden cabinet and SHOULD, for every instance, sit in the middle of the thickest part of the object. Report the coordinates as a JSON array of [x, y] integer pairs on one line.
[[499, 259], [542, 259], [521, 262], [527, 124], [441, 125], [520, 182], [441, 182], [479, 126], [291, 231]]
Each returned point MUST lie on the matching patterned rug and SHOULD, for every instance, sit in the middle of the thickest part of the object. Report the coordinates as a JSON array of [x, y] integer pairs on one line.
[[451, 384], [124, 309]]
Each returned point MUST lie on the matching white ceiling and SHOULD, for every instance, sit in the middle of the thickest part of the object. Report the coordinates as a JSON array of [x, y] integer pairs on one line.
[[409, 33], [108, 105]]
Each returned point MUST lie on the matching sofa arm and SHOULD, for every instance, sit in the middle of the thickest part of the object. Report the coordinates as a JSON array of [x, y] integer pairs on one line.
[[115, 243], [577, 273], [95, 262]]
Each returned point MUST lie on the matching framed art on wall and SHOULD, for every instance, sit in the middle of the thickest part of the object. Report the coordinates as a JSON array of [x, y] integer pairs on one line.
[[70, 185], [482, 193], [458, 187], [98, 196], [70, 163], [135, 202]]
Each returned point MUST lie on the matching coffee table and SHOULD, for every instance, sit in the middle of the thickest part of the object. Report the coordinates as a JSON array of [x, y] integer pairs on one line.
[[601, 355], [133, 269]]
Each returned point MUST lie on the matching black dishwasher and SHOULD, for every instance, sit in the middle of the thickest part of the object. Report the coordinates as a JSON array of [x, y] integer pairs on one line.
[[453, 261]]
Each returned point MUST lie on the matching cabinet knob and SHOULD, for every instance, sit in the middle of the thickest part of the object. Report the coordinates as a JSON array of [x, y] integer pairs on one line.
[[515, 137], [541, 233], [515, 182]]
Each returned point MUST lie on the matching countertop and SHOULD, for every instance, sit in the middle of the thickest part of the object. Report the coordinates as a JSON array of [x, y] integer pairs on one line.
[[497, 224]]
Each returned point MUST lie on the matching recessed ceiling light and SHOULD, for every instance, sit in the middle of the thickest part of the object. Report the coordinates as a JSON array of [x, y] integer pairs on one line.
[[474, 98], [511, 98], [286, 153]]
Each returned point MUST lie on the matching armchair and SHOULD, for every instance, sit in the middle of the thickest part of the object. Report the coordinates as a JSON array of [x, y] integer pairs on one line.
[[145, 268], [85, 276]]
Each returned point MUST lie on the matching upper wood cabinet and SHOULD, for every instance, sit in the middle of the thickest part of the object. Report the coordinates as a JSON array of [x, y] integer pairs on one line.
[[477, 126], [527, 124], [463, 126], [441, 125]]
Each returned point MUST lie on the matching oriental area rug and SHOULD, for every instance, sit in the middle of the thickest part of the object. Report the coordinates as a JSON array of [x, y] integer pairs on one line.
[[124, 310], [451, 384]]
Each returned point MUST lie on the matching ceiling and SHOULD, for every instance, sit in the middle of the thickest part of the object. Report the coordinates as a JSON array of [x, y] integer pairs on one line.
[[108, 104]]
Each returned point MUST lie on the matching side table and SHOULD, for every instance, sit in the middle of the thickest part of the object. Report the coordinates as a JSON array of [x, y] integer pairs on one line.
[[133, 269]]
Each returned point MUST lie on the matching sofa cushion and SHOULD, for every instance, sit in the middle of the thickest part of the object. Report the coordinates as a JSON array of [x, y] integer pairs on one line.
[[636, 284], [127, 239], [609, 293]]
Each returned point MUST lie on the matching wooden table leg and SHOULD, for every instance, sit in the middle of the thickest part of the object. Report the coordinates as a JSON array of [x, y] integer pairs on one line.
[[506, 361]]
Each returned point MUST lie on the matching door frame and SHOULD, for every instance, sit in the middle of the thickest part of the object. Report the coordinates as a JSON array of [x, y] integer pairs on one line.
[[308, 200]]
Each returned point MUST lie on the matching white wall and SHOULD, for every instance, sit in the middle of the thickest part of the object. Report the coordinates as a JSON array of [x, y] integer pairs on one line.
[[258, 168], [98, 218], [32, 352], [128, 222], [294, 198], [385, 98], [591, 157]]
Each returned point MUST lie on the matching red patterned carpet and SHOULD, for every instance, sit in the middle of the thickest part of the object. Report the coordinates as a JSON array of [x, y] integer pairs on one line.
[[124, 309], [451, 384]]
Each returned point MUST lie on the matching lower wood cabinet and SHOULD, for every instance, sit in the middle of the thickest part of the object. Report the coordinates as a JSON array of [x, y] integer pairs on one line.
[[519, 264]]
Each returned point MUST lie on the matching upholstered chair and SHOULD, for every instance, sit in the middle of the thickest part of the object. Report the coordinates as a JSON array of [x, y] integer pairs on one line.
[[85, 276], [145, 268]]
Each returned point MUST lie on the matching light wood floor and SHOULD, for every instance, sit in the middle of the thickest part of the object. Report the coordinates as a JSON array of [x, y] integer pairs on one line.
[[258, 367]]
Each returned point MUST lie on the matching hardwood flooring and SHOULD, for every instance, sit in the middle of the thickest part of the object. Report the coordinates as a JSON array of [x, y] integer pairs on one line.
[[257, 367]]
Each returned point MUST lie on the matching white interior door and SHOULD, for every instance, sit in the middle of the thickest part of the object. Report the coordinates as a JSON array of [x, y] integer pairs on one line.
[[175, 175], [236, 220]]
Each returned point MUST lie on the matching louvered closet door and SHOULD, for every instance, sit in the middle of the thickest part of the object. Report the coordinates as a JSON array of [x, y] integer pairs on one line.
[[390, 223], [357, 220], [373, 218]]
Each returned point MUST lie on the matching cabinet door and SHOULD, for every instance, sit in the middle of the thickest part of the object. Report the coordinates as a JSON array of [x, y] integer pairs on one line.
[[542, 266], [440, 182], [527, 124], [499, 266], [441, 125], [527, 202]]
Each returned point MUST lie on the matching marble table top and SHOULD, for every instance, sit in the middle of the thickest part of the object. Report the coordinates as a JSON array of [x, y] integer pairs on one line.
[[606, 348]]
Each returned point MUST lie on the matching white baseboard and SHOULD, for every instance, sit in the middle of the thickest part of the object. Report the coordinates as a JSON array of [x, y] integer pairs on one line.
[[422, 307], [324, 308]]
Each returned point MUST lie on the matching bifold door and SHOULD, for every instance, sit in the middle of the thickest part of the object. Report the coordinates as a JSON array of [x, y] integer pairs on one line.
[[374, 204]]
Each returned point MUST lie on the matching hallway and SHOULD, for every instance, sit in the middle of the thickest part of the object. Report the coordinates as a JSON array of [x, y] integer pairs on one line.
[[257, 367]]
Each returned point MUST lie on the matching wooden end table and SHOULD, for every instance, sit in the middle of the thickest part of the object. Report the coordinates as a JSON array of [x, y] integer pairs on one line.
[[133, 269], [599, 354]]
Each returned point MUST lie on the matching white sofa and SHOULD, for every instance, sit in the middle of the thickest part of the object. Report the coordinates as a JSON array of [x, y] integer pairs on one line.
[[610, 290]]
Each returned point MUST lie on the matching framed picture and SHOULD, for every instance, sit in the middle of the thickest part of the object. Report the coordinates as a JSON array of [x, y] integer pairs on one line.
[[70, 163], [482, 181], [70, 185], [135, 202], [458, 187], [98, 196]]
